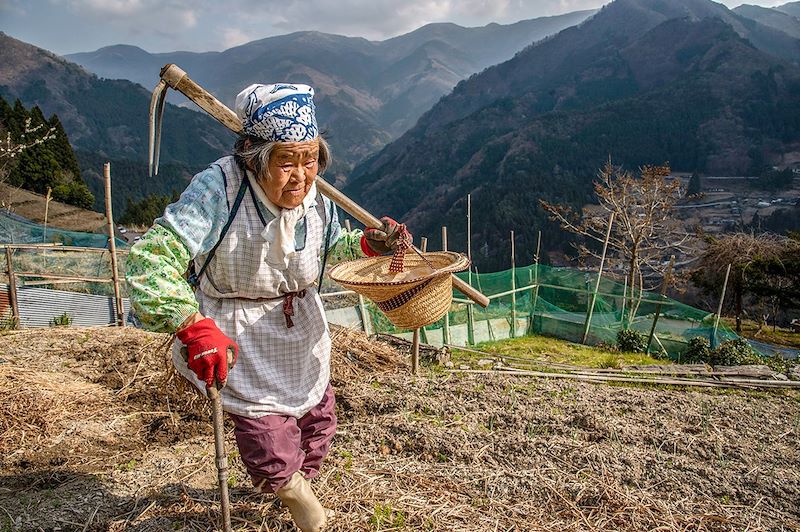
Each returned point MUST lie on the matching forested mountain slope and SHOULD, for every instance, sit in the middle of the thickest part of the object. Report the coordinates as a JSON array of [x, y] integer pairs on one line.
[[638, 82]]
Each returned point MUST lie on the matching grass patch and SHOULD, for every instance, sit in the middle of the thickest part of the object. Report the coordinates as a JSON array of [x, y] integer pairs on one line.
[[779, 336], [543, 349]]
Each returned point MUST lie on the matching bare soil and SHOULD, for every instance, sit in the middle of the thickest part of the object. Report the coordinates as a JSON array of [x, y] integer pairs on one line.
[[96, 434]]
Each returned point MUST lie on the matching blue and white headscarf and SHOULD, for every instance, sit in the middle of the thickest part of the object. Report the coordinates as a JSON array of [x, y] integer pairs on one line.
[[280, 112]]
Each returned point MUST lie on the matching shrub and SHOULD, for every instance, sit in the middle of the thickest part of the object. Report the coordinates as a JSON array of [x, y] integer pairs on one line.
[[630, 341], [65, 320], [8, 323], [734, 353], [698, 350]]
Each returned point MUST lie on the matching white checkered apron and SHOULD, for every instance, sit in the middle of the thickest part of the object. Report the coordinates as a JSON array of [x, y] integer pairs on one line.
[[280, 370]]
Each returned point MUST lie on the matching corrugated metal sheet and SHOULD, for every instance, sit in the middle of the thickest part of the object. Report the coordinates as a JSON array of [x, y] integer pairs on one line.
[[39, 306]]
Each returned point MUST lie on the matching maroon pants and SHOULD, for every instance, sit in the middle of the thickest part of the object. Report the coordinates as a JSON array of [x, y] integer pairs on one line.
[[274, 447]]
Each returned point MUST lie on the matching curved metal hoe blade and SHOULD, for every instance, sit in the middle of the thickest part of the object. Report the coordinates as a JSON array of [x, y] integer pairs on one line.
[[156, 118]]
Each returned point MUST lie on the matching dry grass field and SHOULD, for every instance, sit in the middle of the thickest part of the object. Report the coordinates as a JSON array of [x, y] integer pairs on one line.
[[96, 435]]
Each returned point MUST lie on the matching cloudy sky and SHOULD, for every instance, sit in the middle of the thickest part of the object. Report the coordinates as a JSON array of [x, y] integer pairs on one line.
[[67, 26]]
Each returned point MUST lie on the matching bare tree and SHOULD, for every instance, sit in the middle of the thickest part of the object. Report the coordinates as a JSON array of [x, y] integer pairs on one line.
[[10, 149], [645, 232]]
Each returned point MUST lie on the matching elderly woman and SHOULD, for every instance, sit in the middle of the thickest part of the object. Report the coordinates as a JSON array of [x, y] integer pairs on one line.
[[256, 231]]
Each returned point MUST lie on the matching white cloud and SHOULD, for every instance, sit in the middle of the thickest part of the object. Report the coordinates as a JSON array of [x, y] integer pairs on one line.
[[139, 15], [65, 26], [234, 37]]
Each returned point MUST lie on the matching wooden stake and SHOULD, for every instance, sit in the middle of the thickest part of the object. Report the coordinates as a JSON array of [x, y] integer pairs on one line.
[[588, 323], [362, 306], [624, 297], [12, 291], [513, 290], [46, 209], [719, 308], [535, 295], [469, 236], [423, 246], [113, 247], [470, 308], [446, 327], [365, 317], [664, 286]]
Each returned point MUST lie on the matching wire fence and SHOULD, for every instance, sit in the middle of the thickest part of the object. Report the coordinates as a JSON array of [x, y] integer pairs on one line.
[[49, 281]]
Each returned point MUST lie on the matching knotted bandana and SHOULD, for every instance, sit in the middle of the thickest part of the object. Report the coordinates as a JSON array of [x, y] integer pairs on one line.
[[280, 112]]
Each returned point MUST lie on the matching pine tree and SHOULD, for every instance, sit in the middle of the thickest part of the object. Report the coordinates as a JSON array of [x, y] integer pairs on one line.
[[49, 164], [63, 149]]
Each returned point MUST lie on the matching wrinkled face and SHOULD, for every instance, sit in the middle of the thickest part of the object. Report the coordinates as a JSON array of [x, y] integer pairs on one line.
[[292, 169]]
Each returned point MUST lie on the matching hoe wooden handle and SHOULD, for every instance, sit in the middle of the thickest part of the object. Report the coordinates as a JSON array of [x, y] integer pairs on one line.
[[177, 78]]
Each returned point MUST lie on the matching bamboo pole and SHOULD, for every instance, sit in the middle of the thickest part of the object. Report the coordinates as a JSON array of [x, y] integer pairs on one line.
[[60, 247], [446, 326], [664, 286], [470, 308], [415, 352], [513, 290], [362, 305], [113, 246], [469, 236], [624, 298], [719, 308], [12, 290], [423, 246], [46, 211], [535, 295], [737, 383], [588, 323], [65, 278]]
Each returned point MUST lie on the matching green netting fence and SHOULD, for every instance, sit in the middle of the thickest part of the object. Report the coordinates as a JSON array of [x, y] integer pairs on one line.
[[555, 302], [17, 230]]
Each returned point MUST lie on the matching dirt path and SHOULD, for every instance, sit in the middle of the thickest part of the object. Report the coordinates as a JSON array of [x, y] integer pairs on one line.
[[93, 438]]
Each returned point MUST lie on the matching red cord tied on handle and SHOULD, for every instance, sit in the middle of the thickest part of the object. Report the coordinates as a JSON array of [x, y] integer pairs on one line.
[[403, 244], [392, 237]]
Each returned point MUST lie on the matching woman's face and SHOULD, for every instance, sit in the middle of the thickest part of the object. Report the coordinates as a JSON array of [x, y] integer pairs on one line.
[[292, 169]]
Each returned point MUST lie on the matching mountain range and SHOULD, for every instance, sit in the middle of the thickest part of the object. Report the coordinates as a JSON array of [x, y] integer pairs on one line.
[[419, 121], [643, 81], [106, 121], [367, 92], [772, 17]]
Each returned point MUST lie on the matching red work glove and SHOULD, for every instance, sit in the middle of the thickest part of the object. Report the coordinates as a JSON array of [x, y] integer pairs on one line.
[[376, 242], [207, 348]]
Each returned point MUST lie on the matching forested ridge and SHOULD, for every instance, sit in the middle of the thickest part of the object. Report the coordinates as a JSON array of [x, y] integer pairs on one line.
[[691, 93]]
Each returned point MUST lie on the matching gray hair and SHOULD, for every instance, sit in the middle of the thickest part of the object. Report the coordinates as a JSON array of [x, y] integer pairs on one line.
[[257, 154]]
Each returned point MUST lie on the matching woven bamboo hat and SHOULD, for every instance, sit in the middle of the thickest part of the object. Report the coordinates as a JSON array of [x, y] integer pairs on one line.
[[417, 296]]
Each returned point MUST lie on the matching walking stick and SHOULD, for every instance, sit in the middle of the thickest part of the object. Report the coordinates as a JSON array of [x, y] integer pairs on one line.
[[221, 455], [221, 458], [175, 77]]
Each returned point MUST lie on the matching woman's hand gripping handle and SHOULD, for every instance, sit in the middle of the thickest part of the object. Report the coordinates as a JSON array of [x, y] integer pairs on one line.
[[208, 352]]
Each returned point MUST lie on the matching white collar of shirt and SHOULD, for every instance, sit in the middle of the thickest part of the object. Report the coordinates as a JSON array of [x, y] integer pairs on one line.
[[279, 232]]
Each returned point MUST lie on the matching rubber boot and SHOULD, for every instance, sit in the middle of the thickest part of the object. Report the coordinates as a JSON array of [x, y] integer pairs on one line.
[[307, 512]]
